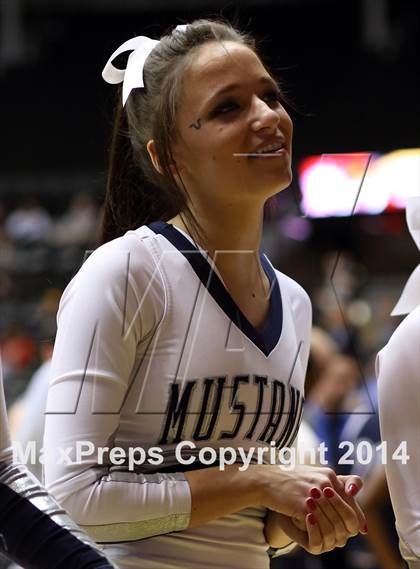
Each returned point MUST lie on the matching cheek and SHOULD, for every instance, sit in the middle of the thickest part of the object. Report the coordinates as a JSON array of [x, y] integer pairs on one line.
[[215, 148], [289, 123]]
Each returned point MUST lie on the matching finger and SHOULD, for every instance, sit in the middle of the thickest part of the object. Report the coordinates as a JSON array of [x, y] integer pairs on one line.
[[352, 484], [332, 480], [342, 517], [314, 539], [360, 516], [299, 523], [326, 528], [348, 498], [345, 511], [311, 504], [296, 534]]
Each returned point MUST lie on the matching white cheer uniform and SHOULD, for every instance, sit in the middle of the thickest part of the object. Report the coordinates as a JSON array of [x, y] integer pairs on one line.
[[398, 367], [398, 371], [6, 451], [151, 350]]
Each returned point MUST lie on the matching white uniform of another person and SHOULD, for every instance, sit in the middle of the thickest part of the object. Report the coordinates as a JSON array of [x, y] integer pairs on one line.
[[398, 370], [34, 529], [151, 350], [6, 449]]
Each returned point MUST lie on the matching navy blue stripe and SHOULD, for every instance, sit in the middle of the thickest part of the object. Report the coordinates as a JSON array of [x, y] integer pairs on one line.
[[265, 339], [32, 539]]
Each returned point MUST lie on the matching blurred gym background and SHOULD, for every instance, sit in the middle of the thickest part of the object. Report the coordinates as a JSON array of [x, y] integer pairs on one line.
[[339, 229]]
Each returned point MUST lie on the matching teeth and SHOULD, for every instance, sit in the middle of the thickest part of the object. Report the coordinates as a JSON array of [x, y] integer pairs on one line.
[[270, 148]]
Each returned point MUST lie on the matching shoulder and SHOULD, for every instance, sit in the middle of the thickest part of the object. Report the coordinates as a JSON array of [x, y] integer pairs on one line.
[[130, 249], [293, 293], [398, 361], [121, 261], [405, 340], [120, 281], [407, 333], [123, 266]]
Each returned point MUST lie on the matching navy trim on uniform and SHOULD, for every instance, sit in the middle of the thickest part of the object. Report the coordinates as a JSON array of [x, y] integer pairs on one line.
[[265, 339], [32, 539]]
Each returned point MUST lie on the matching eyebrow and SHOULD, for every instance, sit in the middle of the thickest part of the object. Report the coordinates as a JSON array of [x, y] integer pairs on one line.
[[262, 80]]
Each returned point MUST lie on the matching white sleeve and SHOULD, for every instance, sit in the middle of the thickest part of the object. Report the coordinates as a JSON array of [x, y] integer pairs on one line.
[[302, 312], [398, 370], [106, 315]]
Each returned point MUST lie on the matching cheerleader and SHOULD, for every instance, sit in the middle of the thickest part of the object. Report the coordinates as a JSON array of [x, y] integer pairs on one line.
[[177, 337]]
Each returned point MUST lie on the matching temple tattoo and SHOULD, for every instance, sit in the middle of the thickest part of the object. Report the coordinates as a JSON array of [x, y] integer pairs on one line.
[[196, 125]]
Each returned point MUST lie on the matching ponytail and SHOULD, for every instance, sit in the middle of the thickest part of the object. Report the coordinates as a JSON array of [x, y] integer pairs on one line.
[[136, 193], [130, 200]]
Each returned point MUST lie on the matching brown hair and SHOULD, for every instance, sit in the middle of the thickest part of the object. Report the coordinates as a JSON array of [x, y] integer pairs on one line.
[[136, 193]]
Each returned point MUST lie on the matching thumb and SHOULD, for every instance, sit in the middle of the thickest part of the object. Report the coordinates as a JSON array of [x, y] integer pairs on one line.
[[352, 484], [296, 534]]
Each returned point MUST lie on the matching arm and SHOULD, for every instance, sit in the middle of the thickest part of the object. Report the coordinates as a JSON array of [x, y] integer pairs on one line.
[[93, 365], [398, 370], [375, 493], [107, 315], [35, 532]]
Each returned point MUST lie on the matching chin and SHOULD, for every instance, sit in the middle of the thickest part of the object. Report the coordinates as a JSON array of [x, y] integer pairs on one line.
[[279, 185]]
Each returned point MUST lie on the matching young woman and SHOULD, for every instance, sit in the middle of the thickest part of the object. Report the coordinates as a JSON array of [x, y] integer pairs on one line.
[[177, 334], [34, 530]]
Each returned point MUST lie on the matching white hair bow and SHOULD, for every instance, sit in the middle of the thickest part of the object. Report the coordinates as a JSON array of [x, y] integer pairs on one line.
[[132, 76]]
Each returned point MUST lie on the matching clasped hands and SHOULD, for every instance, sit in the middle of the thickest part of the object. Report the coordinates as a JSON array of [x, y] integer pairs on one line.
[[329, 517]]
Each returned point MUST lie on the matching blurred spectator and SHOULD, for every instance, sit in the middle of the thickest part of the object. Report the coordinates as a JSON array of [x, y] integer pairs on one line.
[[43, 323], [322, 350], [18, 352], [26, 415], [77, 225], [328, 403], [28, 223], [326, 410], [6, 286]]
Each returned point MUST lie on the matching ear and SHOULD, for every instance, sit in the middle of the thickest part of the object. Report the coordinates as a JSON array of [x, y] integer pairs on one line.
[[151, 149]]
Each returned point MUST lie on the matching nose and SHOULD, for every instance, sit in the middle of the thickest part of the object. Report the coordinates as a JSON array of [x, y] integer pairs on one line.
[[264, 116]]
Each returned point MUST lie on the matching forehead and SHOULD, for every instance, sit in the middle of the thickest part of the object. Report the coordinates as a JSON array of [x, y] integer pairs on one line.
[[218, 63]]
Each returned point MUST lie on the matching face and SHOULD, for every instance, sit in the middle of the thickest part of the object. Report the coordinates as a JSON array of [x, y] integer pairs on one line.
[[216, 121], [341, 376]]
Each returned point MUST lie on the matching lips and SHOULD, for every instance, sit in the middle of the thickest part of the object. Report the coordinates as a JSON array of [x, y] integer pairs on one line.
[[277, 143]]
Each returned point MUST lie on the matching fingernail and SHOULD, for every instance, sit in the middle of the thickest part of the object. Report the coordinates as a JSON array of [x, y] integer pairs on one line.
[[365, 528], [311, 504], [353, 489], [315, 493], [328, 492], [312, 519]]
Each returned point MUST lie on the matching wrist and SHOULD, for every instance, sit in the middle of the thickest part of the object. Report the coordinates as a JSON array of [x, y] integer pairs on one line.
[[255, 483]]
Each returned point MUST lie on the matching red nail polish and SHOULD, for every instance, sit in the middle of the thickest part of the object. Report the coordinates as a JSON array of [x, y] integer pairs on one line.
[[365, 528], [328, 492], [312, 519], [311, 504], [353, 489], [315, 493]]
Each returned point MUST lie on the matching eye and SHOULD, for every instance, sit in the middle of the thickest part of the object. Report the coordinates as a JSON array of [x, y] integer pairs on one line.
[[231, 105], [274, 95], [224, 108]]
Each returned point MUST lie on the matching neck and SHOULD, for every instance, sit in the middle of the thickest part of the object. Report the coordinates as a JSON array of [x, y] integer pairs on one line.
[[232, 239]]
